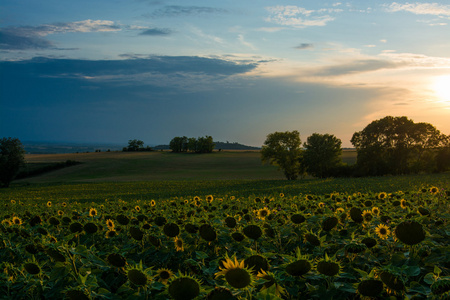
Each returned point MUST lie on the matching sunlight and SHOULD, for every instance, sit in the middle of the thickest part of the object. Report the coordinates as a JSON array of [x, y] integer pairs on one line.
[[442, 87]]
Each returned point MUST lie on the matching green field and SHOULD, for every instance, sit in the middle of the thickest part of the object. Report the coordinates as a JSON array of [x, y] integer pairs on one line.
[[115, 226]]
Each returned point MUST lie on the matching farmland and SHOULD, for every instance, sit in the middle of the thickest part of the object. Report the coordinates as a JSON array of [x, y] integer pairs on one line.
[[220, 226]]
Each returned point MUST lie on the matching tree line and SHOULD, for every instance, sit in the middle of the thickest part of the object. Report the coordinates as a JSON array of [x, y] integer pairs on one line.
[[197, 145], [391, 145]]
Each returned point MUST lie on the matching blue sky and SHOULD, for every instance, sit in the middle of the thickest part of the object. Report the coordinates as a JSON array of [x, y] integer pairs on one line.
[[110, 71]]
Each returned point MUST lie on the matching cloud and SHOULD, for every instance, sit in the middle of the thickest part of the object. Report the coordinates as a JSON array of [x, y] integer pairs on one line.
[[304, 46], [156, 31], [291, 15], [32, 37], [354, 67], [245, 43], [178, 10], [127, 69], [9, 40], [421, 8]]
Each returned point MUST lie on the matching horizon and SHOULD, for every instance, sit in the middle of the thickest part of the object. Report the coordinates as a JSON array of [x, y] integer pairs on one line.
[[102, 72]]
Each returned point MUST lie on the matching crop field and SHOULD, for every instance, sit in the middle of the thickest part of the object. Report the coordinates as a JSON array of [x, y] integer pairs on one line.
[[78, 235]]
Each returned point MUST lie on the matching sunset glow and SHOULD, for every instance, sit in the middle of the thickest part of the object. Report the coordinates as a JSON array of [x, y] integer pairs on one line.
[[442, 88], [110, 71]]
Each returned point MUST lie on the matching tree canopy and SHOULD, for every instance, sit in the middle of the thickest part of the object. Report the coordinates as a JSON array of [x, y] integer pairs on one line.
[[283, 149], [185, 144], [11, 159], [322, 154], [397, 145]]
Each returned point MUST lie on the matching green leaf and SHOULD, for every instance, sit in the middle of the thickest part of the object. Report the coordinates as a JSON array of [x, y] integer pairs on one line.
[[429, 278], [437, 271], [412, 271]]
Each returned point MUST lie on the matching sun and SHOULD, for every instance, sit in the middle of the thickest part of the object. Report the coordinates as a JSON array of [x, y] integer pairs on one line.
[[442, 87]]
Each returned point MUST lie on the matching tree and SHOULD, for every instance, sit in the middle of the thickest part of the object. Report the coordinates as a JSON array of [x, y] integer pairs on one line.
[[135, 145], [322, 154], [396, 145], [11, 159], [283, 149], [179, 144]]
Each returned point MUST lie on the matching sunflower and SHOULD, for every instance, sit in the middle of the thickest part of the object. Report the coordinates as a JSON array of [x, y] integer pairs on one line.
[[92, 212], [110, 224], [270, 279], [375, 211], [209, 198], [196, 198], [382, 195], [164, 275], [110, 233], [60, 213], [434, 190], [6, 222], [281, 195], [321, 205], [13, 201], [16, 221], [179, 245], [137, 208], [339, 210], [184, 287], [403, 203], [64, 204], [382, 231], [367, 215], [153, 203], [263, 213], [235, 272], [49, 204]]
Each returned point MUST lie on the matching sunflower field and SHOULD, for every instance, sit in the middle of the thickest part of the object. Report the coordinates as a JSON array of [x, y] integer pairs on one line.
[[271, 246]]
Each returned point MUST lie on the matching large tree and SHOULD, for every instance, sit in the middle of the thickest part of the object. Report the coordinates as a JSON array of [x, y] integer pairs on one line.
[[396, 145], [11, 159], [322, 154], [283, 149]]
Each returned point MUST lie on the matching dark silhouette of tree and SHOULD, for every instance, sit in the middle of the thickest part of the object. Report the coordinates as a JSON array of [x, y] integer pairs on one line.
[[200, 145], [135, 145], [396, 145], [283, 150], [11, 159], [322, 154]]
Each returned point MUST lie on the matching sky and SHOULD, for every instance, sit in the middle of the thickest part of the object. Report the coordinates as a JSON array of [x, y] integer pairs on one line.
[[107, 71]]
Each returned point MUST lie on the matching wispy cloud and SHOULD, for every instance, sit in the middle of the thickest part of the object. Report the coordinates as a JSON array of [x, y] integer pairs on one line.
[[178, 10], [32, 37], [421, 8], [245, 43], [291, 15], [156, 31], [304, 46], [354, 67]]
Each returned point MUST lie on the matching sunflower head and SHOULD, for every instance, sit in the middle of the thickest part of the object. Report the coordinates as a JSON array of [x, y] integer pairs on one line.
[[137, 275], [256, 263], [117, 260], [382, 231], [92, 212], [271, 280], [220, 293], [110, 223], [164, 275], [184, 287], [367, 215], [329, 223], [370, 287], [410, 232], [300, 265], [236, 273], [16, 221], [32, 268], [263, 213], [253, 232], [179, 244], [328, 266]]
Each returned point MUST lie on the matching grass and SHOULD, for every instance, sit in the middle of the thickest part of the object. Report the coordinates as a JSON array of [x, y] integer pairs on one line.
[[144, 166], [157, 175]]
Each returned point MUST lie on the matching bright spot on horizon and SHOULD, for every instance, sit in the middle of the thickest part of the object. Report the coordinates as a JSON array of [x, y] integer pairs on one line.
[[442, 87]]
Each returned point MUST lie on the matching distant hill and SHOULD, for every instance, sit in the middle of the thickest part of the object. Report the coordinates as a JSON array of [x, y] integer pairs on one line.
[[62, 148], [218, 145]]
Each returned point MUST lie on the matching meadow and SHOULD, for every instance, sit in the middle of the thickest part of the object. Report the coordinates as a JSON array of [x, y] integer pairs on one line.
[[220, 226]]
